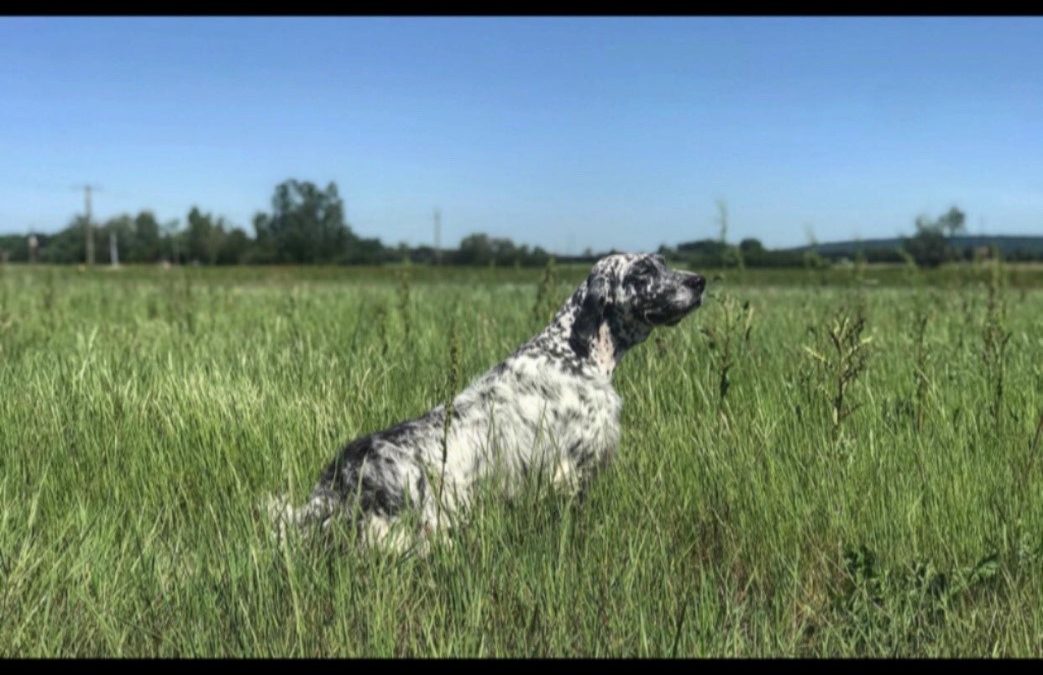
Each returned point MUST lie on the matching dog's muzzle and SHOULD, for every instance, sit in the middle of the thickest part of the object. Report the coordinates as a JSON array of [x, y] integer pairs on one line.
[[696, 282], [672, 315]]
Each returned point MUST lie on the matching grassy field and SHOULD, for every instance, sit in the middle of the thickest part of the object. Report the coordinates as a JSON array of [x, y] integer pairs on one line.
[[778, 491]]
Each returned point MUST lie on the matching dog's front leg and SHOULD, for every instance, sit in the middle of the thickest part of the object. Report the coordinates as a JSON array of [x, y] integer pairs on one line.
[[567, 477]]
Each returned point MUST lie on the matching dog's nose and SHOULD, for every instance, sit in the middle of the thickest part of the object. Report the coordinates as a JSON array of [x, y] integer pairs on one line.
[[695, 282]]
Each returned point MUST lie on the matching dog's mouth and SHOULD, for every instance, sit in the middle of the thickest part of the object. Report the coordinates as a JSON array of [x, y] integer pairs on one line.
[[671, 316]]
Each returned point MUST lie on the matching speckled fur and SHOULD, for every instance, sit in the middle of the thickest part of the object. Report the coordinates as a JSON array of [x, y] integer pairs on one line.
[[548, 406]]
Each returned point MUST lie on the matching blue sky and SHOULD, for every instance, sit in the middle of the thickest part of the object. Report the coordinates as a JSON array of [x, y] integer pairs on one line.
[[561, 132]]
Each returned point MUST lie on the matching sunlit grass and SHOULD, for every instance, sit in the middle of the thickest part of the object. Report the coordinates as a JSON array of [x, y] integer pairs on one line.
[[145, 416]]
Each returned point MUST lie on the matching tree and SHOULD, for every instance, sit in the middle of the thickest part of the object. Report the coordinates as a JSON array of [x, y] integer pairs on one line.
[[481, 249], [707, 252], [15, 246], [235, 248], [953, 222], [203, 237], [538, 257], [751, 246], [751, 251], [929, 247], [146, 244], [365, 251], [475, 249], [263, 249], [172, 247], [306, 225], [66, 246]]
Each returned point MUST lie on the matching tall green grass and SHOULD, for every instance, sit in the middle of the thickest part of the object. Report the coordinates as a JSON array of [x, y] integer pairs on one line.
[[145, 415]]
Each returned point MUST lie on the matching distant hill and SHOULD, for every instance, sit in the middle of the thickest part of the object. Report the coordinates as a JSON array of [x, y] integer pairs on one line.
[[1007, 245]]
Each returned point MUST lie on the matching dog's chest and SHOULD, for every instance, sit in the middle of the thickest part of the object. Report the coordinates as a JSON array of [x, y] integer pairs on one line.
[[599, 436], [601, 410], [576, 412], [536, 410]]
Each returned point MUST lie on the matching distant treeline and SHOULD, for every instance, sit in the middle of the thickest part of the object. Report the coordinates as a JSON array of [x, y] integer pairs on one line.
[[934, 242], [306, 225]]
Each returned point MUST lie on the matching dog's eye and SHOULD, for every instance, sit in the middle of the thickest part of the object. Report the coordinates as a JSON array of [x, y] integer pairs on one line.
[[645, 268]]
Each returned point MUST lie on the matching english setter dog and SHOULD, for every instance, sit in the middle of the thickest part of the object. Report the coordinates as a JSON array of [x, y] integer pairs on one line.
[[549, 406]]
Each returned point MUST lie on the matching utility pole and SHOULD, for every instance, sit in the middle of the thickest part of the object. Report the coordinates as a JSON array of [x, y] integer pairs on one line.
[[722, 219], [114, 254], [438, 237], [88, 228], [87, 224]]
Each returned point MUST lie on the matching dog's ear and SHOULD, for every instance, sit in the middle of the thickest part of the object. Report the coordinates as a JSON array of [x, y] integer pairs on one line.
[[590, 315]]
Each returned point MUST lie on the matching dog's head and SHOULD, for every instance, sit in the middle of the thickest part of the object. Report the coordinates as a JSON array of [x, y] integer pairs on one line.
[[632, 294]]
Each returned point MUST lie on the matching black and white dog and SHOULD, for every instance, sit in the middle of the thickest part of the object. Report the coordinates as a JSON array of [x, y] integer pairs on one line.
[[550, 405]]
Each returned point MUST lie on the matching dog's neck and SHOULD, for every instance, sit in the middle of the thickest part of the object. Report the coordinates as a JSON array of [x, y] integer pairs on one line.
[[602, 349], [605, 353]]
